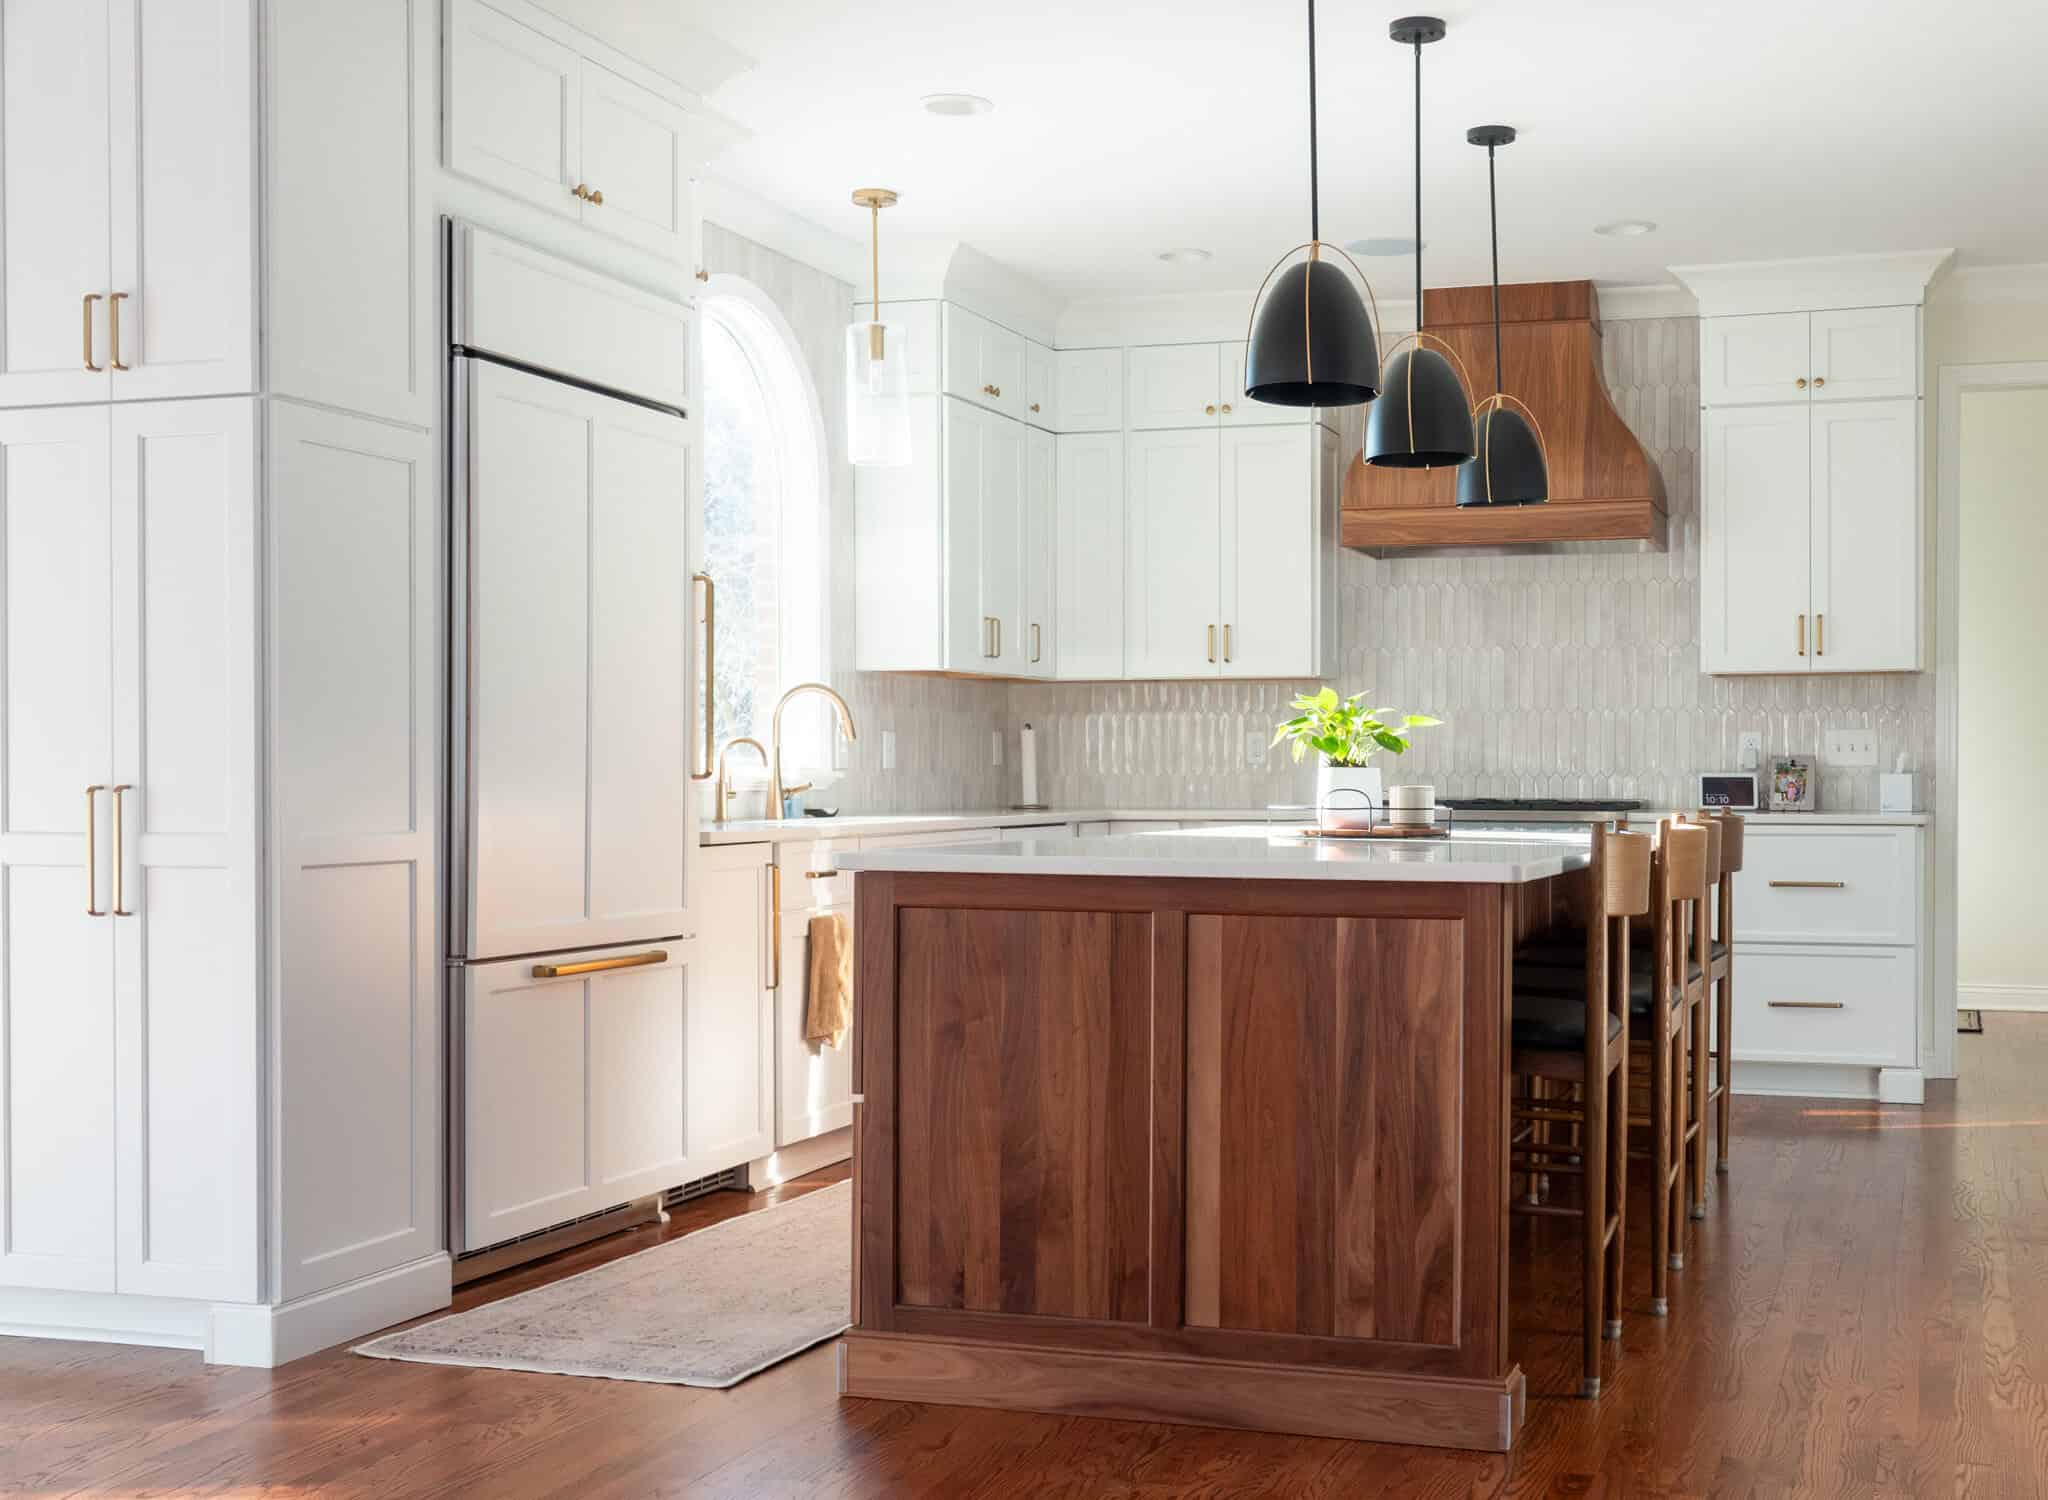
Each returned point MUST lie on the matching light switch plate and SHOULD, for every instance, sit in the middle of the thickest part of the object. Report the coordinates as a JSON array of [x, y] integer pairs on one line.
[[888, 749], [1852, 747]]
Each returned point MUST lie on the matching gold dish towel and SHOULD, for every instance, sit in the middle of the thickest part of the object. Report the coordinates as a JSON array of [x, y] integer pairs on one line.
[[828, 1010]]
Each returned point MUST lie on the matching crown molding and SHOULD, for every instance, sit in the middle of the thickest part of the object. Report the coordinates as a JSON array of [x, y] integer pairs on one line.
[[743, 212], [1660, 299], [1974, 284], [1892, 279]]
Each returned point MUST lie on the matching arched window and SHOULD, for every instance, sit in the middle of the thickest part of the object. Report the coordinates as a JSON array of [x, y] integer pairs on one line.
[[764, 519]]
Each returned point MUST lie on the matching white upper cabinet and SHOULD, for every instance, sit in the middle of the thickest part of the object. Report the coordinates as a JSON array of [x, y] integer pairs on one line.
[[1173, 557], [1090, 386], [1239, 410], [1174, 385], [1755, 540], [1088, 527], [545, 113], [1270, 588], [127, 144], [1038, 637], [1844, 354], [984, 362], [1866, 536], [1865, 353], [1041, 408]]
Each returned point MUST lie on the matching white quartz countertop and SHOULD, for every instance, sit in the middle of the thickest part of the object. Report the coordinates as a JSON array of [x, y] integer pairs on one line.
[[1250, 852]]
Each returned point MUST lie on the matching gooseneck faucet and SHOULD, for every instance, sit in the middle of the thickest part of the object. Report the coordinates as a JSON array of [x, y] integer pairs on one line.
[[722, 790], [776, 790]]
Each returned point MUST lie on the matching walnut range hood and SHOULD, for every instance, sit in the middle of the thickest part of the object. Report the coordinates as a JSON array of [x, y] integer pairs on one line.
[[1603, 486]]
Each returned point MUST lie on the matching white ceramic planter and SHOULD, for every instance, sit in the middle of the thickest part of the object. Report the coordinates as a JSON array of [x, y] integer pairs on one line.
[[1348, 796]]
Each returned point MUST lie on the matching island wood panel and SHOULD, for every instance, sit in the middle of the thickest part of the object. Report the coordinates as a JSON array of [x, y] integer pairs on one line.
[[1023, 1069], [1325, 1158]]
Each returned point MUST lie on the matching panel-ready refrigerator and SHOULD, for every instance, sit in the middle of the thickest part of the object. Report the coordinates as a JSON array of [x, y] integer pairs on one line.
[[574, 734]]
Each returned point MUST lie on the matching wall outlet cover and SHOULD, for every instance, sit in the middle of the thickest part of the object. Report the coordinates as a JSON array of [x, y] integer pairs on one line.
[[888, 749], [1852, 747], [1749, 750]]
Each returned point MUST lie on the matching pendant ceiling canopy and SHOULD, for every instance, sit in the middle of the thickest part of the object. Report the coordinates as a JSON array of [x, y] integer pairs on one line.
[[1310, 341], [1512, 467], [877, 367], [1423, 418]]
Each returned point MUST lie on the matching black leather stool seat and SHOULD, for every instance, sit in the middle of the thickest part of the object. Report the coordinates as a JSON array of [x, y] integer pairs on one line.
[[1551, 1022]]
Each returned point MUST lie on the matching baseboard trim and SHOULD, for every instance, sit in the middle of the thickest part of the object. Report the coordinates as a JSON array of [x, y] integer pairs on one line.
[[103, 1318], [1363, 1404], [2002, 997], [1825, 1081], [265, 1336], [800, 1158]]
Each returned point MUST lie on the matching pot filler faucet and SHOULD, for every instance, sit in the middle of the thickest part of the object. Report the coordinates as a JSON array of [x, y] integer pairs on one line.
[[776, 790]]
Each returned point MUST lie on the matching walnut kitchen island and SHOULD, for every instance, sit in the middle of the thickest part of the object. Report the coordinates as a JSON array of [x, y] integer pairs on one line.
[[1204, 1127]]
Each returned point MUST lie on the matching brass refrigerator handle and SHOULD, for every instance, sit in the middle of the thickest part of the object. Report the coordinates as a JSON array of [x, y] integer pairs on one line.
[[120, 856], [601, 965], [92, 849], [90, 298], [114, 302], [710, 673]]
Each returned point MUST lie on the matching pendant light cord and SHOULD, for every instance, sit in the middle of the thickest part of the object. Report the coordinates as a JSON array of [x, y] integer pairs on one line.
[[1315, 208], [875, 250], [1493, 232], [1418, 186]]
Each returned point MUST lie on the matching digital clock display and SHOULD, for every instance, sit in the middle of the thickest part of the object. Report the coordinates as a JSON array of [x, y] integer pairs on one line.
[[1732, 789]]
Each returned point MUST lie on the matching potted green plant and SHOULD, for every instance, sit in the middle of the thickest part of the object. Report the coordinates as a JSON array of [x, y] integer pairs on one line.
[[1346, 735]]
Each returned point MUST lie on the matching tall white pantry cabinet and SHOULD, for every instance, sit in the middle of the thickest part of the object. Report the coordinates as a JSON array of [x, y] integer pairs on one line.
[[219, 751]]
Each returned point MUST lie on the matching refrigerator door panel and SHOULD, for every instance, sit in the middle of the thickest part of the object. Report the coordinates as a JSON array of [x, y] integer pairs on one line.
[[576, 645]]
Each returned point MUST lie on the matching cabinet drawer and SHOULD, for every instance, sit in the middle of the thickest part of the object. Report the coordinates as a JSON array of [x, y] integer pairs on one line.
[[1827, 1005], [806, 874], [1840, 885]]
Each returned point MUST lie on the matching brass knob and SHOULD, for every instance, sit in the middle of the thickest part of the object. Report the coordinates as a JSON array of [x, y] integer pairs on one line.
[[1034, 406], [1800, 382], [1819, 381], [1226, 408], [596, 196], [1208, 411], [580, 191], [991, 390]]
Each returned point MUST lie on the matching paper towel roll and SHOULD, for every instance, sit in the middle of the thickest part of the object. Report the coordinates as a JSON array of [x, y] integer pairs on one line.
[[1028, 760]]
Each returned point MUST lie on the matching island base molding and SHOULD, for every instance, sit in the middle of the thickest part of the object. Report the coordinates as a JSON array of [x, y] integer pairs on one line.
[[1443, 1412]]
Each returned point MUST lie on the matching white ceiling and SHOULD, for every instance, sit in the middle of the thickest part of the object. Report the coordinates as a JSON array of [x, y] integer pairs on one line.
[[1746, 131]]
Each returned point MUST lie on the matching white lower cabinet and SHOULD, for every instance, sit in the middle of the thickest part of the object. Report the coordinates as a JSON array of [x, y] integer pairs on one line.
[[729, 1048], [1804, 1003]]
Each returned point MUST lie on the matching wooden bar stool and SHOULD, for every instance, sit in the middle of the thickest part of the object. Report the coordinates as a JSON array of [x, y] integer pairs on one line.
[[1698, 986], [1581, 1040], [1721, 974]]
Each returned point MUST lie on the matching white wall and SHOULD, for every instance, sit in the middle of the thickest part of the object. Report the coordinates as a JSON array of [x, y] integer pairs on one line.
[[2002, 941]]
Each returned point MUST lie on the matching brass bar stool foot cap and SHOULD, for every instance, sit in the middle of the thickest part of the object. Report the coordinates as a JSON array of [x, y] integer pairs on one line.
[[1590, 1389], [1613, 1329], [1721, 1165], [1699, 1210], [1660, 1308], [1677, 1263]]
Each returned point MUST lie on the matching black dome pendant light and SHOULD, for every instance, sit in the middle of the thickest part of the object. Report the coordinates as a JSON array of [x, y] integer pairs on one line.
[[1312, 342], [1423, 418], [1513, 467]]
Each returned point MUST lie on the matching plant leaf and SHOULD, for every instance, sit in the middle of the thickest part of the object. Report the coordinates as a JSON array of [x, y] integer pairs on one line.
[[1419, 721]]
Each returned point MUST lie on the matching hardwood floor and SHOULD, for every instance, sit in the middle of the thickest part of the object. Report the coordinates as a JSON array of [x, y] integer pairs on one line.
[[1863, 1313]]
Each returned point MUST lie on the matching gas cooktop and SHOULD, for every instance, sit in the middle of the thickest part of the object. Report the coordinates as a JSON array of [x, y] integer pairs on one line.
[[1538, 804]]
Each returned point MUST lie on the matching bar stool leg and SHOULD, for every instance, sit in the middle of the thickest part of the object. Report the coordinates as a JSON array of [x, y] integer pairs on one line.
[[1593, 1152], [1696, 1042], [1617, 1165], [1673, 1181], [1661, 1143], [1724, 1028]]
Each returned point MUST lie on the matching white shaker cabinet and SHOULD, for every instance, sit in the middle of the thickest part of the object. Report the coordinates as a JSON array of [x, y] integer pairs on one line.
[[984, 362], [729, 1040], [1756, 541], [813, 1080], [1275, 543], [1090, 387], [127, 144], [1088, 529], [1173, 385], [1837, 354], [1865, 498], [1038, 637], [1174, 554], [984, 567], [1757, 357], [1041, 383]]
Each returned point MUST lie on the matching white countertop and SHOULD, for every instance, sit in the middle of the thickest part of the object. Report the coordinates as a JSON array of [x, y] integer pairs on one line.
[[1250, 852]]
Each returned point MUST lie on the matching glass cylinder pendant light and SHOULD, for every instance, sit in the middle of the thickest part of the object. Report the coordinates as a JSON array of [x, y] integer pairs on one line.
[[1310, 341], [1423, 418], [1513, 466], [877, 374]]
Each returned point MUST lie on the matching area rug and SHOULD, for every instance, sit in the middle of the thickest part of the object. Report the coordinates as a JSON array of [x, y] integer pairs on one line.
[[708, 1309]]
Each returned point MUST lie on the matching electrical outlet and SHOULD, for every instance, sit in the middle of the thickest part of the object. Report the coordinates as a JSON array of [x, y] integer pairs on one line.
[[995, 745], [842, 750], [1254, 748], [1852, 747], [888, 749], [1749, 750]]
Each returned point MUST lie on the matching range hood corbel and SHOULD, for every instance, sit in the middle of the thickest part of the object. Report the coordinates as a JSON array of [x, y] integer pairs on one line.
[[1603, 486]]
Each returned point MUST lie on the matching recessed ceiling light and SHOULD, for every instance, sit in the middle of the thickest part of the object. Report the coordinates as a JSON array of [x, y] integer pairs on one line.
[[1384, 245], [1625, 229], [1187, 256], [957, 104]]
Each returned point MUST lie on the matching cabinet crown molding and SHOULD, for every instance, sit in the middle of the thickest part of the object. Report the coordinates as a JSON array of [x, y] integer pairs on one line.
[[1892, 279]]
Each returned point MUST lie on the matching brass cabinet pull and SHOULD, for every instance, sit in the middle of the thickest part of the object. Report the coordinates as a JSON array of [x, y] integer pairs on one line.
[[1226, 408], [991, 390], [775, 926], [1226, 643], [90, 298], [1034, 406], [581, 191], [1802, 635], [597, 196], [1209, 411], [1212, 643], [1809, 885], [1820, 635], [710, 673], [819, 874], [114, 340], [1819, 381], [120, 855], [1034, 640], [1804, 1004], [1800, 382], [601, 965], [92, 853]]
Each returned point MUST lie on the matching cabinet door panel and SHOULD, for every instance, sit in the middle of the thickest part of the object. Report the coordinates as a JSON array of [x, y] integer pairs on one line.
[[1037, 639], [1759, 358], [1090, 388], [187, 960], [1239, 410], [1041, 408], [1866, 527], [524, 1072], [1002, 543], [636, 145], [1002, 366], [1865, 353], [814, 1086], [1173, 557], [969, 639], [637, 1021], [728, 1047], [57, 1132], [1089, 579], [54, 201], [514, 109], [184, 184], [1269, 552], [1754, 541], [1173, 385], [962, 374]]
